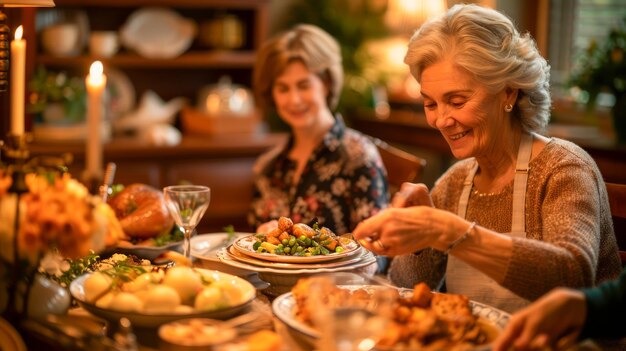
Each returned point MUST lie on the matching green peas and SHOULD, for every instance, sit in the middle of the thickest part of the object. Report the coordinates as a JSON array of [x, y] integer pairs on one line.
[[339, 249], [280, 246], [285, 242], [299, 249], [287, 249], [292, 241], [302, 238]]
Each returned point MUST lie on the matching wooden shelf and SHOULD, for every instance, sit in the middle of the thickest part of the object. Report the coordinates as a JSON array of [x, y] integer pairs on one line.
[[192, 60], [241, 4]]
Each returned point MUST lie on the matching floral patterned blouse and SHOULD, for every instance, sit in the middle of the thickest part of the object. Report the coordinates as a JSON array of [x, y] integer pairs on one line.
[[343, 182]]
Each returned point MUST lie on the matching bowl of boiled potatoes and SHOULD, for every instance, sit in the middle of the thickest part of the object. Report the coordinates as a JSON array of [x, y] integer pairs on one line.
[[151, 296]]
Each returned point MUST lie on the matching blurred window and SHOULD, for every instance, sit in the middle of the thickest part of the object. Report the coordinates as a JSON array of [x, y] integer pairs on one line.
[[573, 25]]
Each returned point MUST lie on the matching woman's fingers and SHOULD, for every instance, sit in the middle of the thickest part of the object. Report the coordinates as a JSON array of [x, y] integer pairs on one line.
[[411, 194], [511, 333], [369, 226]]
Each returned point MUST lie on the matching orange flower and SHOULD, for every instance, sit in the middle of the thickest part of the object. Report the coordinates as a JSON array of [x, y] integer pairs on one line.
[[59, 213]]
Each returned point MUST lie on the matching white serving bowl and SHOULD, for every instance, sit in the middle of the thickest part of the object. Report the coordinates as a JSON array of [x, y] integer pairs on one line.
[[154, 320]]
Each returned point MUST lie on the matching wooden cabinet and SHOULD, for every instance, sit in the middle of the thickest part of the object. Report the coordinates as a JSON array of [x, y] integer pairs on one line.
[[224, 163], [183, 75]]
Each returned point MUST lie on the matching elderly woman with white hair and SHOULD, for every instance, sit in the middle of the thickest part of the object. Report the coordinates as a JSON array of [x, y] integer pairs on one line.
[[520, 213]]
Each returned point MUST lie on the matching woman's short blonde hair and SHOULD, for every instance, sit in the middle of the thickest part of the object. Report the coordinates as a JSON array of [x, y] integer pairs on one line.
[[485, 43], [305, 43]]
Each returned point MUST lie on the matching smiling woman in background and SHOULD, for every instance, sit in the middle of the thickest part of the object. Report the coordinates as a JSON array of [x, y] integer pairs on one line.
[[326, 172], [520, 213]]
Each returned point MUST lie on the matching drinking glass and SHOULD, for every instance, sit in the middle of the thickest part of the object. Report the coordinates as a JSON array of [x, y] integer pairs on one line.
[[187, 204], [354, 318]]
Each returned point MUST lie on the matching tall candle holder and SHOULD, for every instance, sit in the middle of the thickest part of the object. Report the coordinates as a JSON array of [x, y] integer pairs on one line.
[[16, 153], [17, 163]]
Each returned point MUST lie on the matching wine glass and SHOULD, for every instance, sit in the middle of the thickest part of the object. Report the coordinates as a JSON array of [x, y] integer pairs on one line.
[[354, 318], [187, 204]]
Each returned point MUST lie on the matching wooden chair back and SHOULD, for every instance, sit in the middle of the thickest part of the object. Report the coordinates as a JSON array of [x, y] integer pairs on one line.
[[401, 166], [617, 200]]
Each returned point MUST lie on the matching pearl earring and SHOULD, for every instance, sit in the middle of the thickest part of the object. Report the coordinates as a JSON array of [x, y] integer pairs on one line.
[[508, 107]]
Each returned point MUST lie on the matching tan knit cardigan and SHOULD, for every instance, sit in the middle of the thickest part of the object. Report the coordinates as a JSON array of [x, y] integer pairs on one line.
[[569, 232]]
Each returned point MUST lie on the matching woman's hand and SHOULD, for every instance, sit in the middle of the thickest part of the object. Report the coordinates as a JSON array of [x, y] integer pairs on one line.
[[398, 231], [550, 322]]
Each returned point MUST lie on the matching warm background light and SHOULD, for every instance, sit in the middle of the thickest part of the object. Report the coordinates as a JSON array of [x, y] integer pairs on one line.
[[405, 16], [26, 3]]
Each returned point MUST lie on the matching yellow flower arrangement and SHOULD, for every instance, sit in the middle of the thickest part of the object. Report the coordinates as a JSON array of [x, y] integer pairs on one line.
[[58, 213], [56, 216]]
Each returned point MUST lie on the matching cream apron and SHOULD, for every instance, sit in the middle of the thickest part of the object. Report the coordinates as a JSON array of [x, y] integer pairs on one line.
[[461, 278]]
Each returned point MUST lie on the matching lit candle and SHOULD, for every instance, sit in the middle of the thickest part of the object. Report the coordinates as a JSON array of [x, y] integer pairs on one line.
[[95, 81], [18, 72]]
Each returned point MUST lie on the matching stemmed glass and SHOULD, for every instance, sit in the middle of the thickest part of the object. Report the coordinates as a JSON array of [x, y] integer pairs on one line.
[[187, 204], [353, 319]]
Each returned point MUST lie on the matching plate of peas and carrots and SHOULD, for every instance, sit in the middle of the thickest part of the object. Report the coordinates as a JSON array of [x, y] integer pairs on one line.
[[298, 242]]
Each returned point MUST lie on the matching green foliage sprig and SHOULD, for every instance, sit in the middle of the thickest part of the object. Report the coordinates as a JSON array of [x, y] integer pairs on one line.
[[57, 87], [77, 267]]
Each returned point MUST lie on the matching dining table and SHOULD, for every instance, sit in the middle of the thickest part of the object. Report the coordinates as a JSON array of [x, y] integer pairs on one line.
[[81, 330], [78, 329]]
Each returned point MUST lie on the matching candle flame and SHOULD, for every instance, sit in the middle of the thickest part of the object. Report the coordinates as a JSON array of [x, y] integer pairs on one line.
[[96, 69], [18, 33], [96, 76]]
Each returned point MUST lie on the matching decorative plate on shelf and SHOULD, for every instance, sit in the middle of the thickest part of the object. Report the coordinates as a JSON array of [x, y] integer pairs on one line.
[[122, 98], [245, 246], [157, 33]]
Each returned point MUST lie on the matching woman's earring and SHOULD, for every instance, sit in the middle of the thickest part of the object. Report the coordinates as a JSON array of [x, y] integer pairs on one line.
[[508, 107]]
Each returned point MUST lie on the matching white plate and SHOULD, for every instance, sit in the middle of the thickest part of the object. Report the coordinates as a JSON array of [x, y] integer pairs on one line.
[[204, 250], [205, 246], [144, 251], [233, 253], [157, 32], [284, 305], [367, 258], [9, 337], [244, 245], [77, 290]]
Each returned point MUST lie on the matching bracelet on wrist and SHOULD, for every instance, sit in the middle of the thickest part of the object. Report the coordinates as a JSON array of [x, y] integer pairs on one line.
[[461, 238]]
